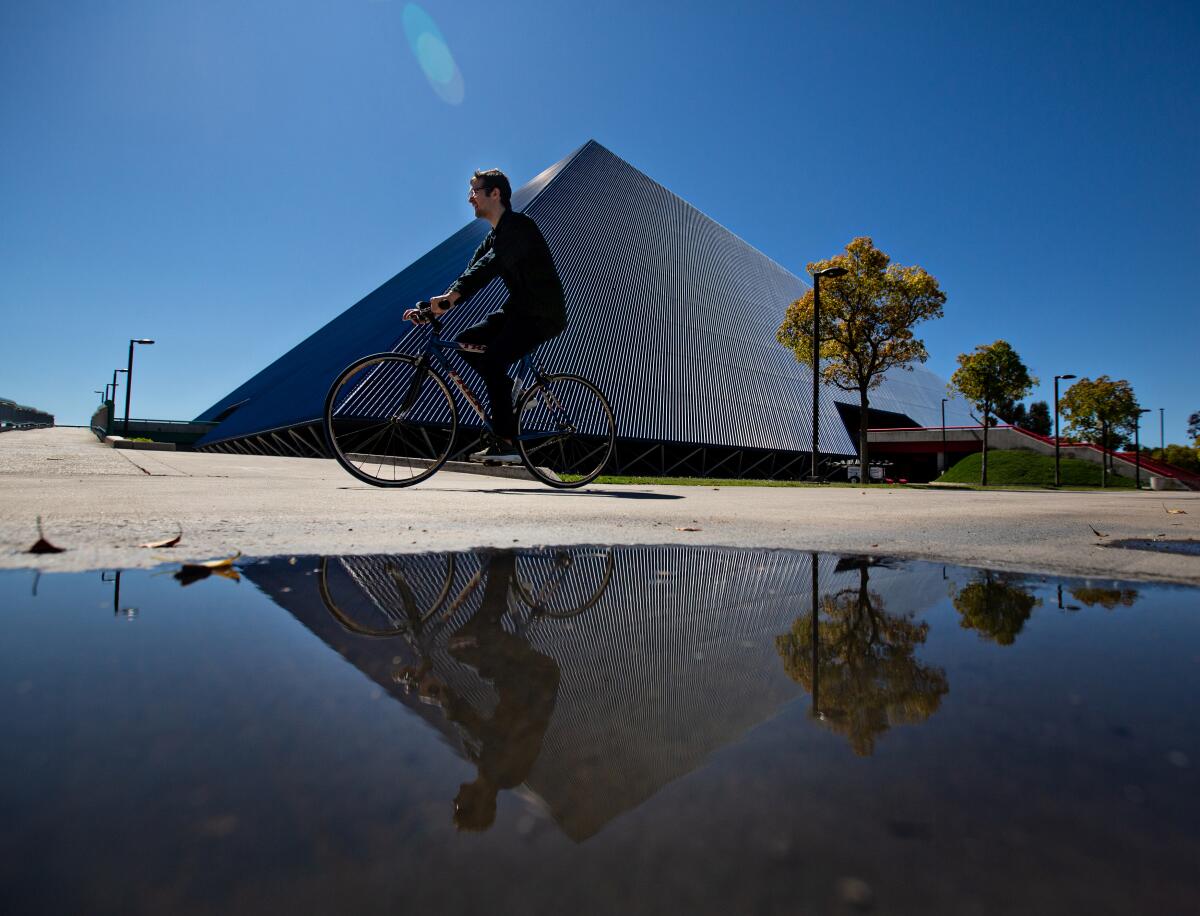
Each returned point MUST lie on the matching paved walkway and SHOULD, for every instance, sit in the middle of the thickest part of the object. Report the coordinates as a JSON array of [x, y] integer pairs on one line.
[[100, 503]]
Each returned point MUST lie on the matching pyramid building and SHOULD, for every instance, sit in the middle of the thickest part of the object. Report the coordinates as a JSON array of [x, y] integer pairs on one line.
[[669, 313]]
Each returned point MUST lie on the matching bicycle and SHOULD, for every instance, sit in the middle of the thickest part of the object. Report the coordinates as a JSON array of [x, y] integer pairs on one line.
[[415, 595], [390, 419]]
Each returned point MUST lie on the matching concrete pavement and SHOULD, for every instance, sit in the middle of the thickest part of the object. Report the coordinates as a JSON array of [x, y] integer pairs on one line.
[[100, 503]]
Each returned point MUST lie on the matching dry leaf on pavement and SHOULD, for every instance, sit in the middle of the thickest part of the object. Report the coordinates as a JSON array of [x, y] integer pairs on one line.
[[168, 542]]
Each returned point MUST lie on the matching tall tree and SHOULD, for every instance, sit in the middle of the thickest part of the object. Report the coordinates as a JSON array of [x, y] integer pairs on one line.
[[1194, 427], [1089, 405], [1037, 420], [990, 375], [996, 606], [867, 317], [862, 670], [1107, 598], [1010, 411]]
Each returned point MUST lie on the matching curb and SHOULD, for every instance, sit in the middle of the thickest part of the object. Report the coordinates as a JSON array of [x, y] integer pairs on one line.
[[122, 442], [514, 471]]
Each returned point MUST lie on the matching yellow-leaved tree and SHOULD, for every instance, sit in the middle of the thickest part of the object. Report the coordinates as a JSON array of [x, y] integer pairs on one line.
[[866, 324]]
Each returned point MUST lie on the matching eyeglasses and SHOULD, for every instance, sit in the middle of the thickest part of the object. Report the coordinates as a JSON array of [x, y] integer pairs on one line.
[[480, 190]]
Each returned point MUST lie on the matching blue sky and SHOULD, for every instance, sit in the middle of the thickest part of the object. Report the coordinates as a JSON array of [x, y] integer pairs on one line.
[[226, 177]]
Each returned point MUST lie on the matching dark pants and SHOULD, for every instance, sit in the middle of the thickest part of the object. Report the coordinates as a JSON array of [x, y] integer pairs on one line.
[[507, 340]]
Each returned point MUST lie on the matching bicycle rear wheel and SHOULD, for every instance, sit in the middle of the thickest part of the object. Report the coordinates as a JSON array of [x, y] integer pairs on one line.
[[565, 425], [385, 596], [390, 420]]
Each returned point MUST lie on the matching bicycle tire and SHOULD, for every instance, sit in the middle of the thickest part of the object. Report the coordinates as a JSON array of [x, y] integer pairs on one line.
[[384, 420], [556, 594], [366, 620], [573, 427]]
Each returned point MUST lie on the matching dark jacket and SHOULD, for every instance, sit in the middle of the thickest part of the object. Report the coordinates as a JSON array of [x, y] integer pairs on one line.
[[516, 251]]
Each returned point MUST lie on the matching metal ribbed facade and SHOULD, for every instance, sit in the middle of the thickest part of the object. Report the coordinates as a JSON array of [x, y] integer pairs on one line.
[[672, 315], [673, 659]]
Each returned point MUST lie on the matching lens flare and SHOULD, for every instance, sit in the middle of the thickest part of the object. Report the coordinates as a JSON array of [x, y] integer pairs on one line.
[[433, 54]]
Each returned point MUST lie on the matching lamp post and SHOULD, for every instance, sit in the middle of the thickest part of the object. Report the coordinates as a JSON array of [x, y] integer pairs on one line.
[[1162, 440], [815, 708], [129, 376], [1103, 453], [1057, 477], [830, 272], [1137, 447], [942, 456]]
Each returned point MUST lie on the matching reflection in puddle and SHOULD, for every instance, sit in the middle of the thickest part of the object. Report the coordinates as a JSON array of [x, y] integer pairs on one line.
[[600, 728], [858, 663]]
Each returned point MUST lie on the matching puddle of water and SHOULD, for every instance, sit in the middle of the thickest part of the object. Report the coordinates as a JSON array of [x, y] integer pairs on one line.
[[1184, 546], [598, 729]]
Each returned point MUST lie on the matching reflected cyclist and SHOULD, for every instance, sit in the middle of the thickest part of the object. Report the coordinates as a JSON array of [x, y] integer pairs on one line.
[[526, 681]]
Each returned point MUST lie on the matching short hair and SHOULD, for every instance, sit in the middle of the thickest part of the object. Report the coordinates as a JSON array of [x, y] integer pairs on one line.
[[494, 178]]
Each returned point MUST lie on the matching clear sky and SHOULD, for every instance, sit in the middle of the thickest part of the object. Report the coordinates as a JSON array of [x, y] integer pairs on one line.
[[225, 176]]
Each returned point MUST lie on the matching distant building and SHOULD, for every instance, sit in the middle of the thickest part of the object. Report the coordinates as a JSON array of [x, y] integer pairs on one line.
[[18, 416], [672, 315]]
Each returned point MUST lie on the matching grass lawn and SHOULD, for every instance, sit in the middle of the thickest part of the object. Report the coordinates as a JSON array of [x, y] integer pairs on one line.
[[720, 482], [1015, 468]]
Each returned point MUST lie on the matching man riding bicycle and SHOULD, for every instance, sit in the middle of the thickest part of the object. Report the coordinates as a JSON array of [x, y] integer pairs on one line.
[[534, 312]]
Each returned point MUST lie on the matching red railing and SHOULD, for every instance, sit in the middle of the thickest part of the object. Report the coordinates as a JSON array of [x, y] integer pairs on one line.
[[1149, 465]]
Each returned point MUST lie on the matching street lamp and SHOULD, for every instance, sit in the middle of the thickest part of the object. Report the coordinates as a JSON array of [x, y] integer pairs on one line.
[[1137, 447], [1162, 440], [942, 456], [830, 272], [129, 376], [815, 708], [1057, 477]]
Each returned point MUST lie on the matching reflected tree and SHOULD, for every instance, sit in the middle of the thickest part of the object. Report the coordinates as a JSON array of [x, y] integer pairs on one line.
[[996, 606], [1107, 598], [856, 661]]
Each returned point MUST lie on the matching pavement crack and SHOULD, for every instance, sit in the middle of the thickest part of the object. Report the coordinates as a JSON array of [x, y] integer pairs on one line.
[[134, 463]]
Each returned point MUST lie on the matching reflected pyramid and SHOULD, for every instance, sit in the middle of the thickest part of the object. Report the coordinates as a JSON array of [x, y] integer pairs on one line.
[[666, 655]]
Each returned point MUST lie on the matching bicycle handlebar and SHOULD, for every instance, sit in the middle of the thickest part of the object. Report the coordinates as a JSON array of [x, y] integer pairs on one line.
[[426, 315]]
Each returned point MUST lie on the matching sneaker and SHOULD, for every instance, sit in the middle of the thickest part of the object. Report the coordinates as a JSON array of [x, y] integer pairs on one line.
[[501, 453]]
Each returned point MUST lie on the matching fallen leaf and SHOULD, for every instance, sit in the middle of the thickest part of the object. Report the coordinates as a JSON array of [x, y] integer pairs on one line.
[[42, 545], [1173, 511], [220, 564], [1098, 534], [194, 572], [168, 542], [689, 529]]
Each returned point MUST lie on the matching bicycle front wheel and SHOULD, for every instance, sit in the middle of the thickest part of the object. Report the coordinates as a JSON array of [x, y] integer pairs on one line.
[[390, 420], [565, 426], [564, 581]]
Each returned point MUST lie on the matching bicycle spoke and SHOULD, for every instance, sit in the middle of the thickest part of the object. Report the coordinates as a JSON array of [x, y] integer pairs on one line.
[[386, 430], [567, 427]]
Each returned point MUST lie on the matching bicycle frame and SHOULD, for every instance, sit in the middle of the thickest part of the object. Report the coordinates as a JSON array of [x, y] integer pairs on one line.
[[529, 373]]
